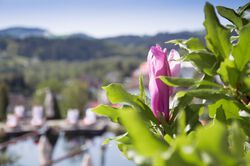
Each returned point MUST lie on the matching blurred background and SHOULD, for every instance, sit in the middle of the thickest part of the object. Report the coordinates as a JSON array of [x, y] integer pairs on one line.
[[59, 53]]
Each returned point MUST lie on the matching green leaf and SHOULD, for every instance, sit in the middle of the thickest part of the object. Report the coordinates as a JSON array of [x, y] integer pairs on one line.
[[159, 161], [112, 113], [142, 94], [168, 139], [218, 37], [118, 95], [213, 141], [241, 51], [237, 140], [209, 94], [124, 139], [180, 157], [229, 73], [230, 15], [194, 44], [247, 83], [138, 131], [245, 123], [176, 82], [206, 63], [242, 9], [229, 108], [181, 123], [175, 41], [192, 116], [183, 99], [186, 82]]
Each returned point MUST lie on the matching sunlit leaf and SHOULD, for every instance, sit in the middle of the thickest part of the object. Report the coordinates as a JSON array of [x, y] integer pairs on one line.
[[218, 37], [209, 94], [186, 82], [229, 108], [229, 73], [241, 51], [242, 9], [206, 63], [230, 15], [119, 139], [137, 130], [194, 44], [213, 141], [118, 95], [142, 94], [237, 140], [176, 82], [110, 112]]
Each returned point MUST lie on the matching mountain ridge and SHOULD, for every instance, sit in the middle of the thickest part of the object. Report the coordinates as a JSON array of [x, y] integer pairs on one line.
[[81, 46]]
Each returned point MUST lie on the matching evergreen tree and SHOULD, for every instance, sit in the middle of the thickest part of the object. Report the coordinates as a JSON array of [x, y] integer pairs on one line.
[[4, 101]]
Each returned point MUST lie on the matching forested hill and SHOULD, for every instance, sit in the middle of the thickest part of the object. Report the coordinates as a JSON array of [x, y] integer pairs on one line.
[[80, 46]]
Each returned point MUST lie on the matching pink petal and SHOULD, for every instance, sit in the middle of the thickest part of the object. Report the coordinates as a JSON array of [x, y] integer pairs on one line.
[[174, 64]]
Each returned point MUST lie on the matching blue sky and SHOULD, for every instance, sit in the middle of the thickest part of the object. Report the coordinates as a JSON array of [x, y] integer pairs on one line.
[[102, 18]]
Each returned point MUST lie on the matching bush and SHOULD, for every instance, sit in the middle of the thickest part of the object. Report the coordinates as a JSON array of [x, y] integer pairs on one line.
[[209, 121]]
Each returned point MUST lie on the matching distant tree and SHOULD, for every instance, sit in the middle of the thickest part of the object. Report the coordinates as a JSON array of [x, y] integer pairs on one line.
[[4, 101], [53, 84], [75, 95]]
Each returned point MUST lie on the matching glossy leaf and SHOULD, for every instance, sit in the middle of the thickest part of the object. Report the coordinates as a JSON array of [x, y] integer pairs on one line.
[[118, 95], [205, 62], [213, 141], [241, 51], [218, 37], [186, 82], [242, 9], [124, 138], [176, 82], [230, 110], [142, 94], [230, 15], [194, 44], [237, 140], [110, 112], [229, 73], [151, 145]]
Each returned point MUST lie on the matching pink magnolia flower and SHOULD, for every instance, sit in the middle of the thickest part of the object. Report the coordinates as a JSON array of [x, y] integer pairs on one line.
[[160, 65]]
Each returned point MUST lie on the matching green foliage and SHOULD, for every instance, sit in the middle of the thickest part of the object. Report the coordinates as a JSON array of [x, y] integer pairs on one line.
[[241, 51], [8, 159], [53, 84], [228, 109], [74, 96], [93, 70], [210, 116], [38, 97], [4, 101], [187, 82], [84, 49], [204, 61], [218, 37], [231, 15], [117, 94]]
